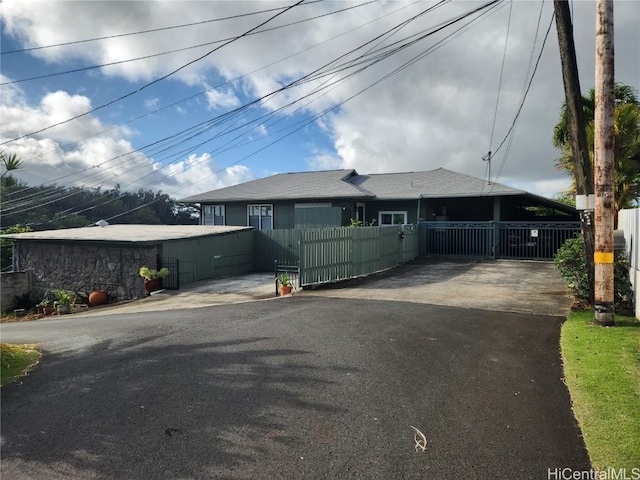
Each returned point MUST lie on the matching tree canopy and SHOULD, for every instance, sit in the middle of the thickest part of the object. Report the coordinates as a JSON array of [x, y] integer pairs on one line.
[[626, 142], [48, 207]]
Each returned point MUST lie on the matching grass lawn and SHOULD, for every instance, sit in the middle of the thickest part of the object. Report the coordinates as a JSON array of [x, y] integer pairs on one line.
[[15, 360], [602, 371]]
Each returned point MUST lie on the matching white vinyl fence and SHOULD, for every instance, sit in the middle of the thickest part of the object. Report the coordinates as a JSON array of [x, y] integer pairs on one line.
[[629, 223]]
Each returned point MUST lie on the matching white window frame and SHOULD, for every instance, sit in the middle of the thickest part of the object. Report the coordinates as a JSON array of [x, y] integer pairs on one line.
[[392, 213], [260, 205], [204, 216]]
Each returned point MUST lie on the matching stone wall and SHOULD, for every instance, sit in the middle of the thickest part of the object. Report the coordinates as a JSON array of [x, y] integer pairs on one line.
[[80, 267], [13, 284]]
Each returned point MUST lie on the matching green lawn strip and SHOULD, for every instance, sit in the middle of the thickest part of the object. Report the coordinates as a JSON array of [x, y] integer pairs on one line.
[[602, 371], [16, 360]]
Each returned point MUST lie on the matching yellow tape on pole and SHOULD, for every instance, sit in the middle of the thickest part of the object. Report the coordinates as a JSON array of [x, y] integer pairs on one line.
[[603, 257]]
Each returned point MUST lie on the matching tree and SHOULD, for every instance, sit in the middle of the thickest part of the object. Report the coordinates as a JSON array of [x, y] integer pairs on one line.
[[6, 246], [626, 141], [10, 162]]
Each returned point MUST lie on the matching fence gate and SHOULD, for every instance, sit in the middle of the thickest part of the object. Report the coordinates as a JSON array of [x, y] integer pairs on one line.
[[533, 240], [514, 240], [171, 281], [460, 239]]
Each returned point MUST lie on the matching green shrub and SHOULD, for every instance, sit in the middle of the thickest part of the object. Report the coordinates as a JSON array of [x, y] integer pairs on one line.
[[570, 262], [24, 301]]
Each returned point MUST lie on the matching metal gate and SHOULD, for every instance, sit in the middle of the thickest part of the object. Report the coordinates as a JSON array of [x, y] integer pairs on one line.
[[171, 281], [533, 240], [514, 240]]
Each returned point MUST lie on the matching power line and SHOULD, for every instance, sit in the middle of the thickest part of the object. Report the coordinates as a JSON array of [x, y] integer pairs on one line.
[[178, 50], [153, 82], [140, 32], [524, 86], [40, 194], [495, 113], [535, 69], [334, 107], [209, 123], [377, 58], [305, 50]]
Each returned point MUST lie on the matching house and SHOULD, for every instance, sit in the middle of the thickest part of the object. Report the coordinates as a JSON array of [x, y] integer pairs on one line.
[[333, 198]]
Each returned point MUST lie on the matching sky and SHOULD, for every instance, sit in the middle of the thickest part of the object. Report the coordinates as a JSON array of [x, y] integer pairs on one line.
[[241, 90]]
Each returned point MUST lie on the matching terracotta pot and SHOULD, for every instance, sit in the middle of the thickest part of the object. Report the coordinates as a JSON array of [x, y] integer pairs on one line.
[[98, 297], [284, 290], [152, 285], [48, 309]]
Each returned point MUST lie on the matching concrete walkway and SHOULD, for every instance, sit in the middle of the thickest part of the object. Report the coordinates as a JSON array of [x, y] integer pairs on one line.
[[241, 289], [499, 285]]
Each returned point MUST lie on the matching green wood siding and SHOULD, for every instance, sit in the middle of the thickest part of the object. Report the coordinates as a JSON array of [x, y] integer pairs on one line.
[[322, 217], [214, 256]]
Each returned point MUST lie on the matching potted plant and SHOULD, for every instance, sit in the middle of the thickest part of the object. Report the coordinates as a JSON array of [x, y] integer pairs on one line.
[[46, 304], [284, 284], [63, 302], [152, 278]]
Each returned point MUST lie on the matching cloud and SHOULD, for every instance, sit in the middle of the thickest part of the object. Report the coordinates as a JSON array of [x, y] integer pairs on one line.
[[217, 98], [438, 112], [88, 153], [325, 161], [152, 103]]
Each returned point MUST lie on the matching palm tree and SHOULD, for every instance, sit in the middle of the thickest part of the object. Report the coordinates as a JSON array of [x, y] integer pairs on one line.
[[11, 162], [626, 142]]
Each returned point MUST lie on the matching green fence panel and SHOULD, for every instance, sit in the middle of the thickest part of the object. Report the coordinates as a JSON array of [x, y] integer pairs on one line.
[[325, 255], [333, 254], [366, 250], [391, 246], [271, 245], [411, 243]]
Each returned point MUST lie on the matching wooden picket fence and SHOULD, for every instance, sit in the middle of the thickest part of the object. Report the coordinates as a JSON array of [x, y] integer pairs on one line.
[[333, 254]]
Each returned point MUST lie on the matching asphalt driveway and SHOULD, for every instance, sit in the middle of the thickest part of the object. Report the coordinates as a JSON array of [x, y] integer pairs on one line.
[[299, 387]]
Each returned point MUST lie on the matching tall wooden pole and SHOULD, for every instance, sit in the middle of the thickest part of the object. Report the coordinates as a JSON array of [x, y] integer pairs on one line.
[[575, 116], [604, 162]]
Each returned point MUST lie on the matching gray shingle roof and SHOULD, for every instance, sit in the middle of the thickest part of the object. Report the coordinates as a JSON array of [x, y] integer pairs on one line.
[[348, 184], [288, 186], [431, 184]]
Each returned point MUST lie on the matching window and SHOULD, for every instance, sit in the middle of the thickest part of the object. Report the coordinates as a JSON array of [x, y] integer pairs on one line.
[[260, 216], [213, 215], [392, 218], [360, 211]]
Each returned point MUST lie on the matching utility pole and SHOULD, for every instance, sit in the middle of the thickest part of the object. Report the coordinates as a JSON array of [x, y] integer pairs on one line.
[[575, 117], [604, 153]]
